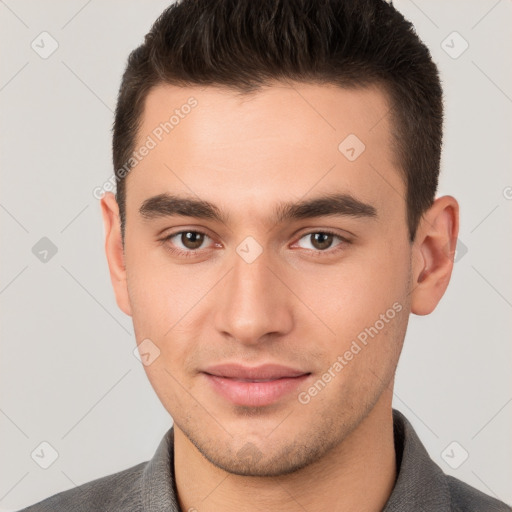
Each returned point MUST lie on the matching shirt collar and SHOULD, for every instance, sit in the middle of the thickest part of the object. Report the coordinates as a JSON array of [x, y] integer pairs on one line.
[[420, 482]]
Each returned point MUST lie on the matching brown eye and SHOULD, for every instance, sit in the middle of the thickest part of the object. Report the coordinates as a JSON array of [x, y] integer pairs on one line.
[[187, 243], [323, 241], [192, 239]]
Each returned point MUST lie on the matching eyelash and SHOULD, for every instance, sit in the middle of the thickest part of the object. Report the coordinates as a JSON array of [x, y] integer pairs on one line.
[[191, 253]]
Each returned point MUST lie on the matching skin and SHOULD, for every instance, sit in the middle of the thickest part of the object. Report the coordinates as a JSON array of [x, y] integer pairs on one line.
[[296, 304]]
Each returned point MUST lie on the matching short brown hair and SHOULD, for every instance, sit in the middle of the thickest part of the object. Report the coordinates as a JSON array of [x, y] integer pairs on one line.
[[244, 44]]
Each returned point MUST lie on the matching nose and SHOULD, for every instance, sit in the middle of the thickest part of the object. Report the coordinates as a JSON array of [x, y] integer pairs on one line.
[[254, 303]]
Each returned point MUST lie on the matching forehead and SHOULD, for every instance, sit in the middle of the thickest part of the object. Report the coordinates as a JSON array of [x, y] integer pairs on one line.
[[304, 109], [279, 142]]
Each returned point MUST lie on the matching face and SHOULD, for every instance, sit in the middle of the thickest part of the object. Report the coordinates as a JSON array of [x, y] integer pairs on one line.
[[269, 272]]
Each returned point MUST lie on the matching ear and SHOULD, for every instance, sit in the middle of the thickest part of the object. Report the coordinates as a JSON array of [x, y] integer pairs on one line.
[[114, 251], [433, 253]]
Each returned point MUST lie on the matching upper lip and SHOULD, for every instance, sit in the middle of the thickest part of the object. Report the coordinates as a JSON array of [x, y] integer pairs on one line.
[[265, 371]]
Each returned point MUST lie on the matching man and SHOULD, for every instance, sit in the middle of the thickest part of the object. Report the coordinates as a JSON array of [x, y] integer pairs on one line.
[[274, 225]]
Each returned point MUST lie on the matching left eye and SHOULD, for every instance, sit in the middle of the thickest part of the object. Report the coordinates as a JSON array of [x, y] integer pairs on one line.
[[321, 240], [190, 240]]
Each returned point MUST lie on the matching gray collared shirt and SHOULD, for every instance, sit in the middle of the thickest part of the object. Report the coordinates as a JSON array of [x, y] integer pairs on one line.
[[421, 485]]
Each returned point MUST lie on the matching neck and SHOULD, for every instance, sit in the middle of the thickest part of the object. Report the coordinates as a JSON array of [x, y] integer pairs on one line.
[[357, 475]]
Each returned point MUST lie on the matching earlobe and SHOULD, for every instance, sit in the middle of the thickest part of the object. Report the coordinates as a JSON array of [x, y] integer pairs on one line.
[[433, 254], [114, 251]]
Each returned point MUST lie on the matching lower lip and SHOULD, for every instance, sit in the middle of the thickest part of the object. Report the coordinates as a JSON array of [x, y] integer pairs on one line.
[[255, 394]]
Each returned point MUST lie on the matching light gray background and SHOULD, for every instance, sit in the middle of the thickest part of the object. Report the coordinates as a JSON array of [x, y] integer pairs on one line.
[[68, 373]]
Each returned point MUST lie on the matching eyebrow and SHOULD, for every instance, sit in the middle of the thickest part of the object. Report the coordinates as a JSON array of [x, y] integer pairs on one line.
[[168, 205]]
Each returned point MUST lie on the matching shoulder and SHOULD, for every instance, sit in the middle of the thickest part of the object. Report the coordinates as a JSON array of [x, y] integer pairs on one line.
[[466, 498], [423, 485], [119, 491]]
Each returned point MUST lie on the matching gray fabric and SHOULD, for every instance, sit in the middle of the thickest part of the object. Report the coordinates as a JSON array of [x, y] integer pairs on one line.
[[421, 485]]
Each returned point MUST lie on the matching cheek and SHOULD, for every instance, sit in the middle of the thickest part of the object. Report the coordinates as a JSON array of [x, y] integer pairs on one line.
[[167, 309], [365, 352], [365, 303], [352, 294], [162, 293]]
